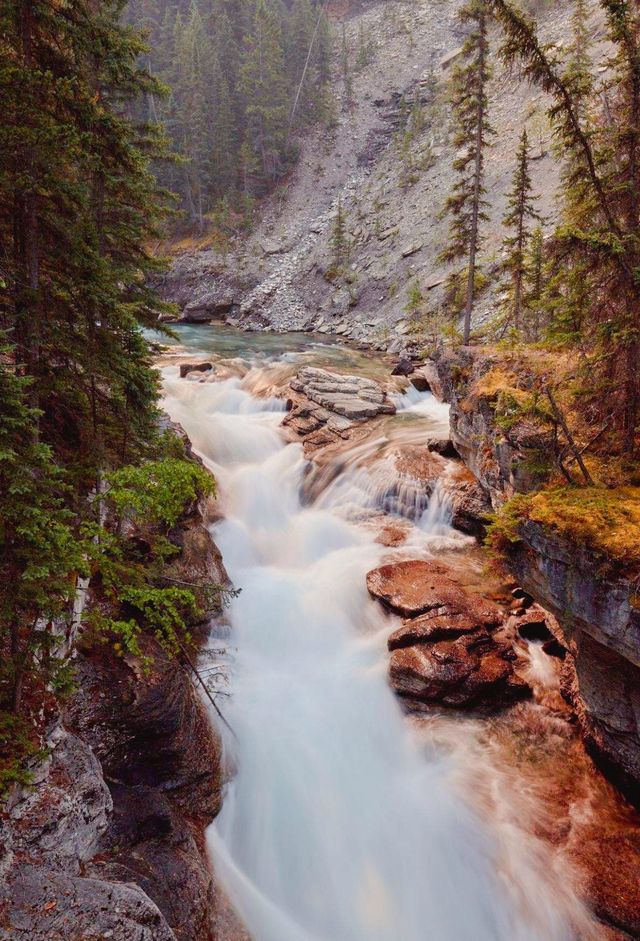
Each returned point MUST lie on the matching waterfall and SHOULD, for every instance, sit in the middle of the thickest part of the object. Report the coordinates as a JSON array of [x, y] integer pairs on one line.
[[339, 825]]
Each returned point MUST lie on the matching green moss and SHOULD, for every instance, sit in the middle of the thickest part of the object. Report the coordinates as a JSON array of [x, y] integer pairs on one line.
[[604, 520], [504, 530]]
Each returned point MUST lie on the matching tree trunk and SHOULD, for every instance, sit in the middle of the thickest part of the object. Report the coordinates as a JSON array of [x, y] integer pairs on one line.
[[26, 236], [477, 183], [631, 395]]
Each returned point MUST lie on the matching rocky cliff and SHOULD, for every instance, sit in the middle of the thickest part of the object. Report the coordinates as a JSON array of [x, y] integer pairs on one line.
[[109, 843], [391, 174], [594, 597]]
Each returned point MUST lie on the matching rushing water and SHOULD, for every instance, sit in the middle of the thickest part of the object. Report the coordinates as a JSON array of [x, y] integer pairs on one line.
[[340, 823]]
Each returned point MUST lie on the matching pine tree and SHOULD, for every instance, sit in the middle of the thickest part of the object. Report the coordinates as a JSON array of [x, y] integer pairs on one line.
[[263, 86], [534, 267], [520, 212], [339, 237], [601, 228], [39, 550], [465, 205]]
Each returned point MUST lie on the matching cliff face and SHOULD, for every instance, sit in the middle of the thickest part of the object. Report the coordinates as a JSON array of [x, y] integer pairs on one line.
[[110, 841], [600, 621], [596, 605]]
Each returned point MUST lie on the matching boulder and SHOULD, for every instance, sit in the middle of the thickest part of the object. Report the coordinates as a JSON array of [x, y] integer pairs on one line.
[[471, 671], [354, 397], [412, 588], [437, 624], [404, 367], [44, 905], [447, 650], [186, 368], [325, 407], [471, 507], [426, 379]]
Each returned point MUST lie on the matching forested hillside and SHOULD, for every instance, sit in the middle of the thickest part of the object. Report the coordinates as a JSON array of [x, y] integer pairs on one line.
[[244, 77]]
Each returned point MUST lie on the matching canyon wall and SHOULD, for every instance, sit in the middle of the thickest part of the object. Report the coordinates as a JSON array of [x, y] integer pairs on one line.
[[109, 843], [596, 603]]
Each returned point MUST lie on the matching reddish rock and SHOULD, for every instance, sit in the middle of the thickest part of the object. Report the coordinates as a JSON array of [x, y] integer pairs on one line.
[[448, 650], [468, 672], [611, 867], [415, 587], [431, 627], [187, 368], [421, 464], [393, 533]]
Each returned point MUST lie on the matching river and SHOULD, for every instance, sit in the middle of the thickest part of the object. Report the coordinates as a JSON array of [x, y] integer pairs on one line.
[[345, 820]]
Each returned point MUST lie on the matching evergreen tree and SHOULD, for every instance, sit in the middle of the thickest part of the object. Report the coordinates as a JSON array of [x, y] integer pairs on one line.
[[78, 203], [263, 85], [339, 237], [465, 205], [39, 551], [534, 266], [601, 228], [520, 212]]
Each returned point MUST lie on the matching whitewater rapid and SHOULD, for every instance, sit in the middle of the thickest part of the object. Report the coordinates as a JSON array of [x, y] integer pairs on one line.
[[338, 825]]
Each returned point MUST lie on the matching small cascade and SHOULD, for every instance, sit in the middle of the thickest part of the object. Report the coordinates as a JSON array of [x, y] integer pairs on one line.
[[425, 405]]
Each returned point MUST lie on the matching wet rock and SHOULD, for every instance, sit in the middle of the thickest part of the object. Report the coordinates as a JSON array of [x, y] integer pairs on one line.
[[421, 464], [145, 838], [441, 623], [426, 379], [448, 650], [186, 368], [442, 446], [404, 367], [148, 726], [412, 588], [600, 627], [471, 671], [611, 867], [325, 407], [471, 508], [532, 625], [393, 533], [60, 821], [553, 648], [44, 905]]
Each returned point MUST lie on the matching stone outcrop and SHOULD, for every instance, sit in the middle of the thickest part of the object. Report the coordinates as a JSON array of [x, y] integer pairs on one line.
[[352, 397], [595, 604], [600, 628], [325, 406], [502, 457], [449, 650]]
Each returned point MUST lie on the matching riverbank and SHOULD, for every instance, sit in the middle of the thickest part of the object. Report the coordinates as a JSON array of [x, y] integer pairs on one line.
[[108, 841]]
